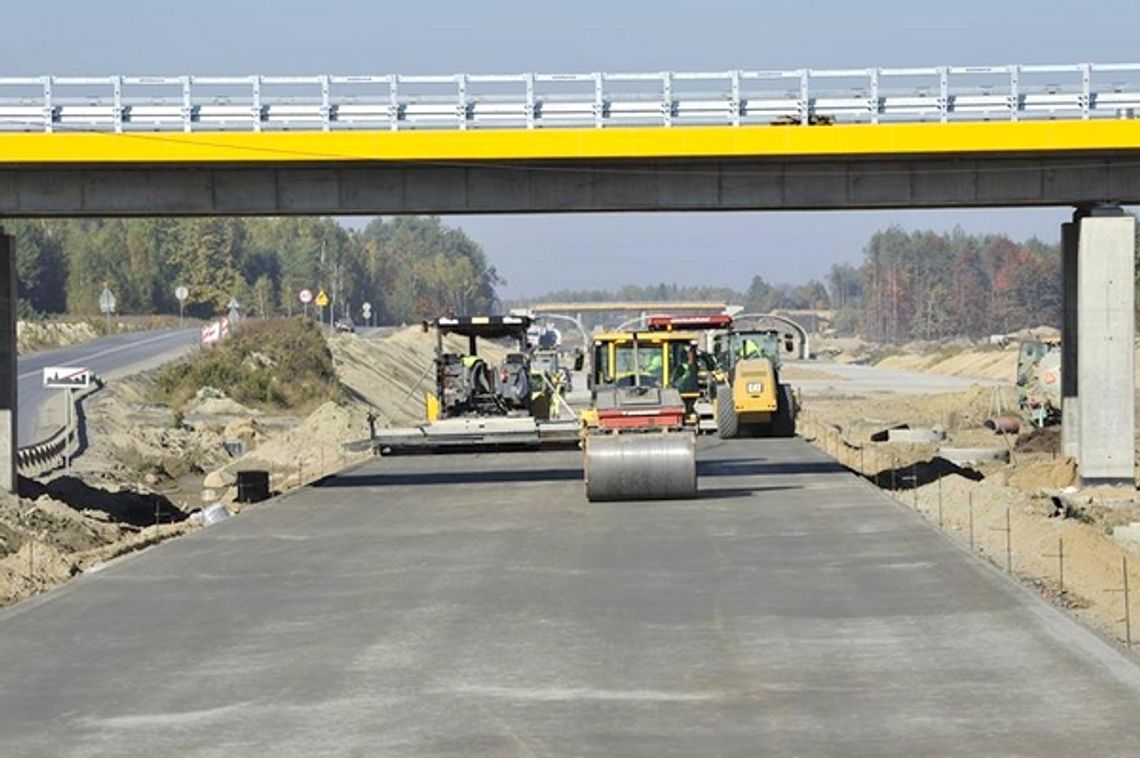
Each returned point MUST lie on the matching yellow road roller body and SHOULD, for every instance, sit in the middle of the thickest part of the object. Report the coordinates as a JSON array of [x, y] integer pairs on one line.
[[749, 399]]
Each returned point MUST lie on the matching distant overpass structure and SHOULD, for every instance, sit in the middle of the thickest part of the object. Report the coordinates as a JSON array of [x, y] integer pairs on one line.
[[802, 139], [631, 306]]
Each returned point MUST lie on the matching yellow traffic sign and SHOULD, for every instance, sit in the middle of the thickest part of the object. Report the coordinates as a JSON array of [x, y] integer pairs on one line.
[[322, 300]]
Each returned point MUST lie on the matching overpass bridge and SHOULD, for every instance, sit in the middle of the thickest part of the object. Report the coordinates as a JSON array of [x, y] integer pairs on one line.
[[938, 137], [799, 139]]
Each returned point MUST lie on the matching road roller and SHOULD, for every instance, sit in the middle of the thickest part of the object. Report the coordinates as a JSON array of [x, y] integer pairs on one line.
[[640, 442]]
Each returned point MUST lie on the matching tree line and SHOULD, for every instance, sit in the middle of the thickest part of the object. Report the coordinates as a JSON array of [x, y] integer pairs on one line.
[[909, 285], [933, 285], [408, 268]]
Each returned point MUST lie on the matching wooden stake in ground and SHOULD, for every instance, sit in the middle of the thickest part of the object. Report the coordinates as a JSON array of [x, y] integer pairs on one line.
[[940, 522], [1008, 541], [1127, 601], [971, 506], [1060, 556], [914, 482]]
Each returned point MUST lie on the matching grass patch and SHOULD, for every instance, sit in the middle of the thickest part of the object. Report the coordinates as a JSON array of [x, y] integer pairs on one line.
[[271, 364]]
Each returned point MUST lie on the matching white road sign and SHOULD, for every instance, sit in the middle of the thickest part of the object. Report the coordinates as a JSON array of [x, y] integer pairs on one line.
[[106, 301], [306, 296], [66, 378], [181, 293]]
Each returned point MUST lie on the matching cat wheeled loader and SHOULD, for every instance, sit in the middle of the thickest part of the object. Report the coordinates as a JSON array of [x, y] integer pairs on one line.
[[640, 435], [479, 406]]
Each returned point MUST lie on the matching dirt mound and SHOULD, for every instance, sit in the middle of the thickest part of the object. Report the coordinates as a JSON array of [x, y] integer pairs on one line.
[[1047, 475], [1047, 440], [311, 449], [1000, 365]]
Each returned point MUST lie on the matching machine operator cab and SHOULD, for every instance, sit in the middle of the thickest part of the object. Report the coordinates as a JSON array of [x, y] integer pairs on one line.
[[730, 347], [649, 359]]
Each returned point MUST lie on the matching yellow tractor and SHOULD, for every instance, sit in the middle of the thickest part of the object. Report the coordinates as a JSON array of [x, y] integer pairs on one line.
[[748, 398]]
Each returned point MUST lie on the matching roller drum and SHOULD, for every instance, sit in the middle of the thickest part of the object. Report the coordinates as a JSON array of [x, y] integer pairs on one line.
[[641, 466]]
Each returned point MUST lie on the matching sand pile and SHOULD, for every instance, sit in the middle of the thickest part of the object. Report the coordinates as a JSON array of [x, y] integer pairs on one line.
[[309, 450]]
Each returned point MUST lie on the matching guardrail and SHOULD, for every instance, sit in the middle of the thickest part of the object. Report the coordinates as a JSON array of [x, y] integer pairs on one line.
[[48, 454], [530, 101]]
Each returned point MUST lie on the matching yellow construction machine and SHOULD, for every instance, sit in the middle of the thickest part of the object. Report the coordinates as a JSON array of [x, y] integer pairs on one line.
[[748, 397], [639, 436]]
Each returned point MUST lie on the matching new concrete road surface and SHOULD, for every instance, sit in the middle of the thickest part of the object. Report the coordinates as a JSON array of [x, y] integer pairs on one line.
[[477, 605], [108, 357]]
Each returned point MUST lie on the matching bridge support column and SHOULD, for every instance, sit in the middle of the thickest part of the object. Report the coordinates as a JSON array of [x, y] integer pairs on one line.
[[1105, 389], [8, 442], [1070, 406]]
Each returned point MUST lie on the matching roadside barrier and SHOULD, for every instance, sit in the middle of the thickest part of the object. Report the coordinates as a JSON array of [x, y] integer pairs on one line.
[[54, 451]]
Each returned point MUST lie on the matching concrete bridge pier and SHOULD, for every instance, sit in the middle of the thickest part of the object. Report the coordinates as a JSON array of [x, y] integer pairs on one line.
[[1097, 369], [7, 363]]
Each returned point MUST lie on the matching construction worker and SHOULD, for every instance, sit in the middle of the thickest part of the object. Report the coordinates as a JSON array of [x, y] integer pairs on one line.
[[653, 365], [686, 379], [749, 350]]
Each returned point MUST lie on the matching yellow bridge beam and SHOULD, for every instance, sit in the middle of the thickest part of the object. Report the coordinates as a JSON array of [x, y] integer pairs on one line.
[[997, 137]]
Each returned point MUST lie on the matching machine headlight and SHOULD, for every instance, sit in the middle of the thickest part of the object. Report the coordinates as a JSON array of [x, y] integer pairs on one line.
[[755, 388]]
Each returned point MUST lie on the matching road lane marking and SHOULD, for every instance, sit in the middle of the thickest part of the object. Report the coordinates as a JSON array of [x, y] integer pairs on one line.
[[108, 351]]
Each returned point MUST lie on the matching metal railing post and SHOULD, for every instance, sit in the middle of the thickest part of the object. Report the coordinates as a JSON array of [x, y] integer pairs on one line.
[[944, 93], [187, 104], [117, 113], [394, 103], [461, 101], [735, 106], [1014, 92], [326, 104], [49, 108], [805, 97], [530, 104], [599, 100]]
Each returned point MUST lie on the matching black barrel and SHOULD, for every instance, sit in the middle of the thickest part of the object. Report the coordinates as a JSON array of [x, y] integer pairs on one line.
[[252, 486]]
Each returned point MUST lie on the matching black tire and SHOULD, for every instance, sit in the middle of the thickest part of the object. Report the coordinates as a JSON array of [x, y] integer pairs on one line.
[[784, 424], [727, 420]]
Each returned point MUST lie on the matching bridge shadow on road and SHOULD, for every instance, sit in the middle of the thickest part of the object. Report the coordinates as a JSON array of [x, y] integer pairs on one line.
[[730, 493], [489, 476], [759, 467]]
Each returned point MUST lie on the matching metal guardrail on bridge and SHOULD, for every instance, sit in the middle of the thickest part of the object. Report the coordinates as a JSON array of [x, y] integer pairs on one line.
[[530, 101]]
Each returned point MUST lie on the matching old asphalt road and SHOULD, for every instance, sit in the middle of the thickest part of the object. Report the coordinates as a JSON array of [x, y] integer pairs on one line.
[[476, 605], [109, 357]]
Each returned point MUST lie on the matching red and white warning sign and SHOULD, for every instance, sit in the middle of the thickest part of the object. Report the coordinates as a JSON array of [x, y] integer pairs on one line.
[[215, 331]]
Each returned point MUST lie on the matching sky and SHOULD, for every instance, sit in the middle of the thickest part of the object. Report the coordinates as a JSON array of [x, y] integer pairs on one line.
[[536, 254]]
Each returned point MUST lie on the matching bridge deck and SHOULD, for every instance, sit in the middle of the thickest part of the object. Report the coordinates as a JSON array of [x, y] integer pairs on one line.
[[477, 605]]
